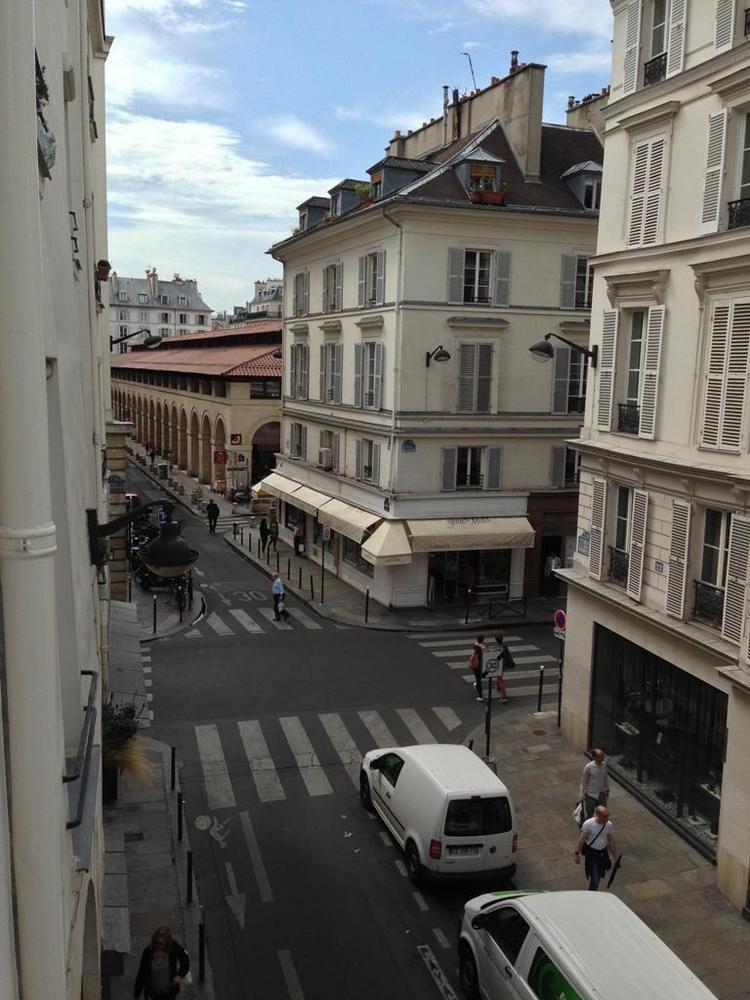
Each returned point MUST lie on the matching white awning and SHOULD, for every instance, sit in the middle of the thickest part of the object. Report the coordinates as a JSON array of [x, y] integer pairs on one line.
[[276, 485], [347, 520], [306, 498], [388, 545], [455, 534]]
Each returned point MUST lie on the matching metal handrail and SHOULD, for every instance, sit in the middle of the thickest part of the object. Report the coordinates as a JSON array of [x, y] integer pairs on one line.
[[629, 418], [709, 603], [739, 213], [83, 757], [655, 70], [618, 565]]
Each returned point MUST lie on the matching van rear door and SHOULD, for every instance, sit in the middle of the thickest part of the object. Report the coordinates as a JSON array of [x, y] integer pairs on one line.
[[477, 834]]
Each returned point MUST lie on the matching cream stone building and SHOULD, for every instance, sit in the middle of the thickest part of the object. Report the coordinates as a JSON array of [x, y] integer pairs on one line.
[[164, 308], [53, 409], [656, 665], [419, 444]]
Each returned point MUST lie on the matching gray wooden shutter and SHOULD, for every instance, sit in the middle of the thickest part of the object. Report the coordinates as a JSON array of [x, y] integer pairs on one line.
[[465, 388], [322, 381], [361, 275], [380, 278], [636, 556], [306, 292], [494, 468], [561, 380], [714, 176], [650, 380], [375, 474], [724, 35], [338, 365], [324, 297], [304, 370], [598, 520], [293, 368], [735, 587], [377, 382], [715, 368], [557, 470], [339, 289], [678, 559], [449, 468], [484, 378], [358, 459], [295, 296], [303, 442], [568, 269], [335, 452], [455, 274], [502, 278], [358, 350], [606, 379], [638, 194], [676, 37], [631, 66], [735, 386]]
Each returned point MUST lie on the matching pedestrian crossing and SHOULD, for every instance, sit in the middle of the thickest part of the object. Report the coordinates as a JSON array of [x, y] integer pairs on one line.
[[252, 620], [286, 754]]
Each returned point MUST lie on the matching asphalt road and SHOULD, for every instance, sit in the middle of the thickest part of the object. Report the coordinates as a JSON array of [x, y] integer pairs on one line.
[[305, 894]]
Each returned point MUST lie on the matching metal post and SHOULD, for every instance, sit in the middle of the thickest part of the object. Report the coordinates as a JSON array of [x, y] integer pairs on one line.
[[190, 588], [179, 815], [130, 588], [172, 768], [289, 569], [259, 546], [181, 598], [560, 681], [242, 536], [323, 572], [249, 540], [300, 577], [268, 553], [541, 688], [201, 949], [277, 560], [190, 876], [312, 588], [468, 603], [488, 719], [367, 604], [234, 529], [154, 614]]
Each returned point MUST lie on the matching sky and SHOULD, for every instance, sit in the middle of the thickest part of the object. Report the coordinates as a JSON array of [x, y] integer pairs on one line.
[[224, 115]]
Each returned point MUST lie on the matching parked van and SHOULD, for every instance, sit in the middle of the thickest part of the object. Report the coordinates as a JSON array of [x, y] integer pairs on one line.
[[566, 946], [448, 811]]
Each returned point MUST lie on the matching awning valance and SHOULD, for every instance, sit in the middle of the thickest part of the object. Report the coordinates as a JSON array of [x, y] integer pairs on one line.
[[388, 545], [454, 534], [276, 485], [308, 499], [347, 520]]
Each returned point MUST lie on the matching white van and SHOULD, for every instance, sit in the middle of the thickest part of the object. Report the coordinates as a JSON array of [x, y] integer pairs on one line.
[[448, 811], [566, 946]]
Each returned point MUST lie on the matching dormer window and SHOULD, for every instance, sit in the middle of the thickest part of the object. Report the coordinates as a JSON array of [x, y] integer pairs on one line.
[[181, 300], [142, 297], [592, 194], [483, 177], [336, 204], [303, 221], [376, 185], [122, 296]]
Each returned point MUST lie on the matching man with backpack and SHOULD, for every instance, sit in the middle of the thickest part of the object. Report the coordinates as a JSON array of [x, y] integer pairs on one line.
[[212, 513], [506, 663]]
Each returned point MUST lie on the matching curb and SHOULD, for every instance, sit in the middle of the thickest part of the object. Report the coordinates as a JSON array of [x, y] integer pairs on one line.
[[180, 627]]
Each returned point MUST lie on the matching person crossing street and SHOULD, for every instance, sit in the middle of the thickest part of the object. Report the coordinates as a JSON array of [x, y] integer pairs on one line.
[[477, 665], [212, 513], [279, 598]]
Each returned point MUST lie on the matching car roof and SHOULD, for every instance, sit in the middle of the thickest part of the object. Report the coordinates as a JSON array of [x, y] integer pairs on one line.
[[455, 768]]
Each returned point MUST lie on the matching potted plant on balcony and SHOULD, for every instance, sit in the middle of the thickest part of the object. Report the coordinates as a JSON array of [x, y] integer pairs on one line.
[[364, 193], [122, 749], [483, 193]]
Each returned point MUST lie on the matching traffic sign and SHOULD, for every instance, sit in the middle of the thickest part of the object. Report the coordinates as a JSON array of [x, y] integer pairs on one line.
[[559, 619], [326, 532], [492, 661]]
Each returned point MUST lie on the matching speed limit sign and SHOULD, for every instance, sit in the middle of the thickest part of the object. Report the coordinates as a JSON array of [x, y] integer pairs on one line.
[[492, 658]]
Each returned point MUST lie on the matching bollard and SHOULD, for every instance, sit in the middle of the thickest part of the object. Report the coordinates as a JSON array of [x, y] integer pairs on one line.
[[300, 577], [154, 614], [190, 876], [249, 540], [130, 588], [172, 768], [367, 604], [277, 560], [268, 554], [179, 816], [289, 569], [190, 588], [242, 536], [234, 530], [259, 547], [312, 588], [541, 688], [468, 603], [201, 949]]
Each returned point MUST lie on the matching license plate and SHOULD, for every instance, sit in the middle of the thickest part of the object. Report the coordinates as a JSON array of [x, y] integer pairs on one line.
[[464, 852]]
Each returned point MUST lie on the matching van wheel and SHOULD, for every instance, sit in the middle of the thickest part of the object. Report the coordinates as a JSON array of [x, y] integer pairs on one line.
[[467, 972], [364, 793], [413, 864]]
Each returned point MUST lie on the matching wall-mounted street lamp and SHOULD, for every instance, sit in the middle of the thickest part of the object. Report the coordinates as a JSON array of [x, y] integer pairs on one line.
[[167, 555], [277, 354], [544, 351], [151, 341], [439, 355]]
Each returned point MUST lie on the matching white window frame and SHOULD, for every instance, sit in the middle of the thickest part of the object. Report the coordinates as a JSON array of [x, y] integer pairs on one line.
[[722, 549], [142, 297], [477, 255], [297, 440], [472, 452], [182, 300], [122, 296], [584, 289], [620, 519], [594, 188]]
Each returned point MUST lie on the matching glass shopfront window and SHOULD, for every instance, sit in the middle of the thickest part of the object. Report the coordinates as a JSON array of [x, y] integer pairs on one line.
[[663, 731], [293, 516], [318, 537], [353, 555]]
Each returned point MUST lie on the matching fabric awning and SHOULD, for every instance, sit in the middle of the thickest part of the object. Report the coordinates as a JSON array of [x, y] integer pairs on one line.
[[347, 520], [276, 485], [306, 498], [388, 545], [454, 534]]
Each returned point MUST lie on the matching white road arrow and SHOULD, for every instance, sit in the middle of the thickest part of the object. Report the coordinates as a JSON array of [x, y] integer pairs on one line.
[[235, 899]]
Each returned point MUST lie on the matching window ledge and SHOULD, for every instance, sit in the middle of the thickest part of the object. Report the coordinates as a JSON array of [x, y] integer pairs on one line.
[[370, 322], [299, 329], [486, 322], [330, 326], [636, 289], [726, 274]]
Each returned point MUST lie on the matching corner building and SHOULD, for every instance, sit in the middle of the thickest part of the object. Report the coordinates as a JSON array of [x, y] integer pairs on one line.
[[656, 667]]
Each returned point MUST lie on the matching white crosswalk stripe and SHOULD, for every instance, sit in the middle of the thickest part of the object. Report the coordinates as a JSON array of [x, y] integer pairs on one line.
[[219, 626], [377, 728], [245, 620], [262, 768], [312, 773], [509, 640], [299, 616], [219, 792], [416, 727], [268, 613], [448, 717], [343, 744]]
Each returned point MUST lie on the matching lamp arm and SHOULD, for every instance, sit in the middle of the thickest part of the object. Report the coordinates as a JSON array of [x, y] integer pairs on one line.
[[589, 352], [98, 531], [119, 340]]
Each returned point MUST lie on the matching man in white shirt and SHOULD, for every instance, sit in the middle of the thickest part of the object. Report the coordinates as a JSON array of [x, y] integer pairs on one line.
[[594, 784], [277, 590], [595, 842]]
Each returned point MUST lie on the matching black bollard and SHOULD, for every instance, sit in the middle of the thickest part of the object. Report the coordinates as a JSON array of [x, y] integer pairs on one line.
[[172, 768], [541, 689], [312, 588], [179, 816], [242, 536], [234, 530], [154, 614], [277, 560], [289, 569], [190, 876], [201, 949], [468, 603], [367, 604]]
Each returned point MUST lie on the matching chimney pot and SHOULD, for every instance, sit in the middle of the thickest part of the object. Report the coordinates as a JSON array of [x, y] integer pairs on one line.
[[397, 134], [494, 81], [455, 95], [571, 101], [513, 60]]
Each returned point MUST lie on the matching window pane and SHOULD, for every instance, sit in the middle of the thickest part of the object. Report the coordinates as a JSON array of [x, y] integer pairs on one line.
[[462, 461], [476, 464], [509, 930], [547, 982], [478, 817]]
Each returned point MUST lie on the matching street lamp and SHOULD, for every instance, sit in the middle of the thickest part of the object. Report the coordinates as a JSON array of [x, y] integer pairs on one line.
[[151, 341], [167, 555], [439, 355], [544, 351]]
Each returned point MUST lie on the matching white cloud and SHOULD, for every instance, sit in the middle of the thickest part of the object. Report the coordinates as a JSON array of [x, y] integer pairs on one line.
[[396, 118], [473, 45], [292, 131], [579, 17], [594, 61]]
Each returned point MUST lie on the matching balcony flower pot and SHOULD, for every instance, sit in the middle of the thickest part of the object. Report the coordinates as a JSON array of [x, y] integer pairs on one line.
[[487, 197], [103, 267]]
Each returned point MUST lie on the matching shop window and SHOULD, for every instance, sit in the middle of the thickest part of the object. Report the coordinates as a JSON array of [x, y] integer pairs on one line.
[[293, 516], [352, 554], [318, 537]]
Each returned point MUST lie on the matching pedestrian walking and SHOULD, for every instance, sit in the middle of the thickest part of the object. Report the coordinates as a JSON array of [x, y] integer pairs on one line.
[[273, 535], [279, 598], [151, 454], [263, 529], [212, 513], [164, 966], [477, 665], [596, 843], [594, 783], [299, 537], [506, 663]]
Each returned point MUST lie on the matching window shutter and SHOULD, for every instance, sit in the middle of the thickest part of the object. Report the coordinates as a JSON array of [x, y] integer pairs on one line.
[[380, 278], [335, 453], [607, 360], [295, 298], [358, 460], [494, 468], [716, 365], [557, 471], [375, 475], [324, 296], [632, 48], [636, 557], [303, 442], [598, 517], [455, 274], [465, 389], [449, 468], [714, 177], [638, 194], [735, 388], [724, 24], [358, 351], [735, 588], [339, 288], [306, 292], [652, 211], [322, 383], [502, 278], [568, 268], [303, 370], [338, 364], [377, 382], [676, 37], [678, 559], [650, 381], [561, 380], [484, 378], [361, 274]]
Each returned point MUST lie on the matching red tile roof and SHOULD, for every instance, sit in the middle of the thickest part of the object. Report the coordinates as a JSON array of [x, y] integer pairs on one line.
[[229, 362]]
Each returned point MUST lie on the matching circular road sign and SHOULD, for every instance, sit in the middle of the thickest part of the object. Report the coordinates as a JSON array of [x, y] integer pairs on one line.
[[559, 619]]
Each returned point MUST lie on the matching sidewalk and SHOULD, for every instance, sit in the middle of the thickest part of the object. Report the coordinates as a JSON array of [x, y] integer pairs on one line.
[[668, 884]]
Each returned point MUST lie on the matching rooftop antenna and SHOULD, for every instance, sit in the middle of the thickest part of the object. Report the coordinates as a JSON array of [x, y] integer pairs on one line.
[[471, 67]]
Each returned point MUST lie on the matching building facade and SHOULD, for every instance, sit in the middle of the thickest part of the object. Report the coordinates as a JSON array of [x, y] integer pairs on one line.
[[268, 298], [162, 308], [656, 668], [419, 445], [53, 408]]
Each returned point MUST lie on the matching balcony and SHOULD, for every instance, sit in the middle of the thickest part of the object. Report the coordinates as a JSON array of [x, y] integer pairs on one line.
[[709, 604], [618, 566], [628, 418], [739, 213], [655, 70]]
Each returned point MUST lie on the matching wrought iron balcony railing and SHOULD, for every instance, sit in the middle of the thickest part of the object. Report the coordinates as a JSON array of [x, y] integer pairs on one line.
[[618, 566], [709, 603], [655, 70], [628, 418], [739, 213]]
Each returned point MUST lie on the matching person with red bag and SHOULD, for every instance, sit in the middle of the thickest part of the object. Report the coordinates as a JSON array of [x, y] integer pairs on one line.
[[477, 663]]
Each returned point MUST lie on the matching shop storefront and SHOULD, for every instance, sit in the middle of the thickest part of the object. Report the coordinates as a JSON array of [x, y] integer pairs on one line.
[[663, 731]]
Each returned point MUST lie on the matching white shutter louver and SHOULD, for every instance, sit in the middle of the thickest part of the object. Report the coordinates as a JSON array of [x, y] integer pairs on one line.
[[713, 180], [303, 442], [606, 377], [306, 284], [714, 391], [484, 378], [379, 290], [465, 388], [502, 278], [339, 288], [631, 65], [650, 378], [735, 587], [735, 388], [361, 276], [358, 459], [322, 378], [596, 532], [676, 37], [494, 468], [293, 370], [338, 365], [358, 351], [638, 194], [335, 453], [568, 269], [636, 556], [724, 24], [678, 559], [449, 468], [377, 381], [557, 466], [302, 371], [652, 212], [561, 380], [375, 471], [324, 295], [455, 274]]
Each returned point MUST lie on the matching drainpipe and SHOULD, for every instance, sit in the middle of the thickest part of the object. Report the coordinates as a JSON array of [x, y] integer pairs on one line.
[[27, 542], [397, 346]]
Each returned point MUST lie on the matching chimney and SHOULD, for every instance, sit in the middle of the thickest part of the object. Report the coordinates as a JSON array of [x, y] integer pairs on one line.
[[445, 114], [513, 61], [152, 280], [571, 102]]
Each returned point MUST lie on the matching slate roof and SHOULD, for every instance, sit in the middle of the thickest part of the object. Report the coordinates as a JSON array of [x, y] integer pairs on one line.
[[587, 167], [258, 327], [139, 286], [402, 163], [223, 362], [315, 202]]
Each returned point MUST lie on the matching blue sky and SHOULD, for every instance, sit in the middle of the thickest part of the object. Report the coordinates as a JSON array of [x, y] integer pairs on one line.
[[223, 115]]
